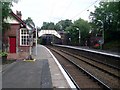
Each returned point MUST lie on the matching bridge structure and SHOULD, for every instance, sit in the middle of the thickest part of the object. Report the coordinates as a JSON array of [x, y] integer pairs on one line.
[[53, 32]]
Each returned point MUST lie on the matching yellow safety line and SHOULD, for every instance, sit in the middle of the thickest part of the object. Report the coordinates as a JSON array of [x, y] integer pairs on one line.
[[29, 60]]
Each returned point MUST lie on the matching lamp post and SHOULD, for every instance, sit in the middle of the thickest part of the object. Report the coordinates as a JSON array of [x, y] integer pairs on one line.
[[79, 35], [102, 41]]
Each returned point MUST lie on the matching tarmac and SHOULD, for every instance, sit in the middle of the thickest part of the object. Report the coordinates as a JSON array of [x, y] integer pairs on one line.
[[44, 72]]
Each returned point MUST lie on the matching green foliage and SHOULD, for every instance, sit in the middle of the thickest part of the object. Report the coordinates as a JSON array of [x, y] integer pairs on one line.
[[6, 9], [3, 54], [48, 26], [63, 24], [107, 17], [70, 28], [5, 13], [29, 20], [84, 28]]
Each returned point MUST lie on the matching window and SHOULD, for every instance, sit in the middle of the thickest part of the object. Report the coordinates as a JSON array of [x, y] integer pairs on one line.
[[24, 37]]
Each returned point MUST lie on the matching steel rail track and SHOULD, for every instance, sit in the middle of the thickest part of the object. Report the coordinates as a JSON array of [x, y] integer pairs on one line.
[[106, 87], [77, 86], [117, 76], [112, 66]]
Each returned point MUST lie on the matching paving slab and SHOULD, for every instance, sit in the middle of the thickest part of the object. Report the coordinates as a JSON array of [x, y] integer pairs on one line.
[[45, 72], [28, 75], [58, 75]]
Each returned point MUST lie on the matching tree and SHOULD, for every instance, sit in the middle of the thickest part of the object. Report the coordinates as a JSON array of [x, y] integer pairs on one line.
[[5, 13], [84, 28], [6, 10], [29, 20], [63, 24], [48, 26], [106, 17]]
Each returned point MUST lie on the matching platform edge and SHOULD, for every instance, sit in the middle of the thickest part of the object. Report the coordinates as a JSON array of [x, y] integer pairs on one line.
[[61, 69]]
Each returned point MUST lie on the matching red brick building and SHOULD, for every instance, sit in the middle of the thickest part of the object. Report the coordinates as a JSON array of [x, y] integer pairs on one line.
[[16, 38]]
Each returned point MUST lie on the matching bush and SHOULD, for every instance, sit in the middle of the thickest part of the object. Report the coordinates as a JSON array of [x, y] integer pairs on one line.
[[2, 54]]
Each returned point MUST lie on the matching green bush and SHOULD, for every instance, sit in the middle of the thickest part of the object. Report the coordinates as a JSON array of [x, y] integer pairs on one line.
[[3, 54]]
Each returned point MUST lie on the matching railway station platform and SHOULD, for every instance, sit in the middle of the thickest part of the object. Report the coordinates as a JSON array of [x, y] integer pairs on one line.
[[44, 72]]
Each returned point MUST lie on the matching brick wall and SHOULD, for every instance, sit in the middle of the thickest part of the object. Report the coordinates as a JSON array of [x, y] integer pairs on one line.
[[12, 33]]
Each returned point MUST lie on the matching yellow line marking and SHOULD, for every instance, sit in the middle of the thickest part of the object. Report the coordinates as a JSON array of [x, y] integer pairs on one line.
[[29, 60]]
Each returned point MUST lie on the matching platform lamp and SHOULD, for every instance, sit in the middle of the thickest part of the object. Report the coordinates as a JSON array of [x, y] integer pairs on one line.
[[79, 34], [103, 35], [30, 28]]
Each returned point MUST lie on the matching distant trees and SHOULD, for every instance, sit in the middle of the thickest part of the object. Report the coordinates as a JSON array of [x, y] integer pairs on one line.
[[61, 25], [47, 25], [107, 17], [84, 28], [71, 29]]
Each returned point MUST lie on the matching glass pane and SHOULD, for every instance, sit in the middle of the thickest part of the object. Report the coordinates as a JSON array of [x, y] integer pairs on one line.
[[27, 32], [22, 31], [22, 41]]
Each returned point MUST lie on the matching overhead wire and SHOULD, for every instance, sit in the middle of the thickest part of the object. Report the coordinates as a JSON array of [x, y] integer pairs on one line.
[[67, 8], [53, 4], [84, 9]]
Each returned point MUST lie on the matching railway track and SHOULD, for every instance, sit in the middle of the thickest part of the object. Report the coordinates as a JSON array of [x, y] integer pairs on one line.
[[102, 66], [112, 60], [92, 68]]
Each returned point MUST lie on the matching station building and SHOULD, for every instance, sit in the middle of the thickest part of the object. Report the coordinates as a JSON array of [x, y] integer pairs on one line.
[[16, 38]]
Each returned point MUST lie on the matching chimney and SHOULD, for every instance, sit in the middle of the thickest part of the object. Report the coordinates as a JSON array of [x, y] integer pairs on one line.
[[18, 13]]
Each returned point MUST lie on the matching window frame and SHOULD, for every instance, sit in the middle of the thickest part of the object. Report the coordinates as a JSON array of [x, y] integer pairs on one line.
[[24, 35]]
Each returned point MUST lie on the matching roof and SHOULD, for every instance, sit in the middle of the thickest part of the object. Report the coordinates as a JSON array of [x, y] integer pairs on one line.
[[19, 19]]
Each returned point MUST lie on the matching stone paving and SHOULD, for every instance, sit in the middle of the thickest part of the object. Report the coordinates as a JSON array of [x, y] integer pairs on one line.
[[43, 73], [58, 80], [28, 75]]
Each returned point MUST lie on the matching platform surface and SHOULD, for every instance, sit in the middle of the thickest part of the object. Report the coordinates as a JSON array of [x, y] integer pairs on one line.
[[42, 73]]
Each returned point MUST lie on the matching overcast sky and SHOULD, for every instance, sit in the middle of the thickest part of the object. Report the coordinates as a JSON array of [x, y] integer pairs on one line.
[[54, 10]]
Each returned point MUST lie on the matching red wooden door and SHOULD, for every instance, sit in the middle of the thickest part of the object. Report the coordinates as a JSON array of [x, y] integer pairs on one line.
[[12, 43]]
